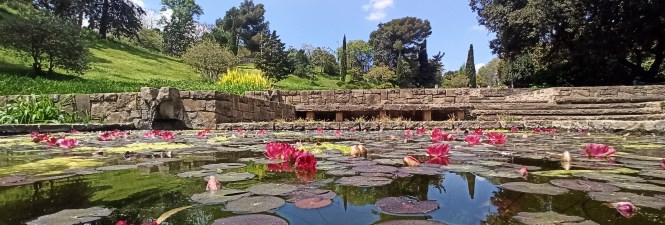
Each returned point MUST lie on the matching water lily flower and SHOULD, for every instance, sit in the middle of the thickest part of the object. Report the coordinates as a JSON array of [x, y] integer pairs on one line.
[[121, 223], [52, 141], [37, 137], [565, 157], [106, 136], [68, 143], [626, 209], [306, 175], [262, 132], [545, 130], [298, 143], [338, 133], [411, 161], [152, 223], [444, 161], [662, 164], [524, 172], [408, 134], [213, 184], [598, 151], [441, 150], [514, 130], [472, 139], [497, 138], [305, 160], [277, 150], [119, 134], [168, 135], [358, 151], [439, 136], [421, 131], [280, 167], [203, 133], [319, 130], [352, 130], [478, 131]]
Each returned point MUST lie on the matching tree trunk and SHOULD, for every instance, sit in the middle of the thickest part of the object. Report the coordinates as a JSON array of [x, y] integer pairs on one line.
[[104, 23]]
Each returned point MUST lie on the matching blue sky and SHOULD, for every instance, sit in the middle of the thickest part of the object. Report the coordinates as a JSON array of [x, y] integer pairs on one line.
[[324, 22]]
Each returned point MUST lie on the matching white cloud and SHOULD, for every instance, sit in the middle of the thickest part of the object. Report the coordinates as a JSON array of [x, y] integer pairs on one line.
[[377, 9], [139, 3], [479, 65]]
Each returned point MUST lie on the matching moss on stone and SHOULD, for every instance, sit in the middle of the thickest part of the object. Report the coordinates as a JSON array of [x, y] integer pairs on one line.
[[318, 149], [50, 166]]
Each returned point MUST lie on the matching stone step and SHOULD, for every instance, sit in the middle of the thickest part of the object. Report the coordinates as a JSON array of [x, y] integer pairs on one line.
[[618, 111], [504, 101], [589, 100], [519, 106], [572, 117]]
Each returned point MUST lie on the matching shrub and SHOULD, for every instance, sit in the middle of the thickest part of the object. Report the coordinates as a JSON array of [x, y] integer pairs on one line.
[[381, 75], [245, 79], [36, 109], [150, 39], [209, 59]]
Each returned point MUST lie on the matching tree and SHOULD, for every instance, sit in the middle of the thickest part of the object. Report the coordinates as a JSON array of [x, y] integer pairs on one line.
[[243, 26], [120, 17], [150, 39], [47, 39], [272, 59], [471, 68], [490, 73], [456, 79], [343, 60], [360, 55], [209, 59], [325, 60], [180, 28], [381, 75], [579, 42], [397, 38], [300, 63], [518, 72], [73, 11], [404, 73]]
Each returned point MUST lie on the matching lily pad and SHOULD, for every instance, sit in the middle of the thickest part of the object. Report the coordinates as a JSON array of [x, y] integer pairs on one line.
[[653, 173], [232, 177], [313, 203], [411, 222], [140, 147], [540, 218], [342, 172], [639, 200], [360, 181], [640, 187], [198, 173], [117, 167], [584, 185], [72, 216], [431, 171], [219, 196], [223, 166], [311, 193], [271, 189], [262, 161], [50, 166], [396, 205], [255, 204], [13, 181], [543, 189], [251, 220], [375, 169], [389, 162], [569, 173], [466, 168], [500, 173], [613, 178]]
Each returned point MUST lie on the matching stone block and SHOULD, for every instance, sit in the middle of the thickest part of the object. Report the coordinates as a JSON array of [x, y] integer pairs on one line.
[[117, 117], [96, 97], [110, 97], [203, 95], [193, 105], [203, 120]]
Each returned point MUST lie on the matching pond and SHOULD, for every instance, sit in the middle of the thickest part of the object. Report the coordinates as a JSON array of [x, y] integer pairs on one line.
[[146, 176]]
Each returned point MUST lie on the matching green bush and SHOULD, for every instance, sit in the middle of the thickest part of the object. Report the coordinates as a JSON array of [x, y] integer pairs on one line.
[[150, 39], [250, 80], [209, 59], [379, 75], [36, 109]]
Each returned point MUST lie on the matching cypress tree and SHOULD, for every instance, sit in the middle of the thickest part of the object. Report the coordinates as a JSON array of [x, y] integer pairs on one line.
[[343, 60], [471, 68]]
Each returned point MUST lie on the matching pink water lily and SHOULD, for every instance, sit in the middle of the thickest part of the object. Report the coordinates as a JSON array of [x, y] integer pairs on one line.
[[262, 132], [478, 131], [280, 167], [167, 135], [319, 130], [278, 150], [306, 175], [119, 134], [408, 134], [203, 133], [68, 143], [440, 150], [37, 137], [152, 134], [598, 151], [626, 209], [514, 130], [338, 133], [52, 141], [524, 172], [352, 130], [472, 139], [73, 131], [106, 136], [213, 184], [497, 138], [411, 161], [240, 130], [545, 130], [421, 131], [438, 136], [305, 160], [444, 161]]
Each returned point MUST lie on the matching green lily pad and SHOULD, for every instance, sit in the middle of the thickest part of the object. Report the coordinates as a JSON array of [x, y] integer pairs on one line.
[[375, 169], [644, 146], [342, 172], [611, 177], [411, 222], [569, 173], [198, 173], [271, 189], [232, 177], [639, 200], [141, 147], [653, 173], [317, 149], [466, 168], [219, 196], [543, 189], [251, 219], [430, 171], [255, 204], [389, 162], [223, 166], [262, 161], [362, 181], [72, 216], [640, 187], [117, 167], [541, 218], [499, 173], [584, 185]]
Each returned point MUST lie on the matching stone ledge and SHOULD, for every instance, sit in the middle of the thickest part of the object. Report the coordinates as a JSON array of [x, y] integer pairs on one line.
[[384, 107], [12, 129]]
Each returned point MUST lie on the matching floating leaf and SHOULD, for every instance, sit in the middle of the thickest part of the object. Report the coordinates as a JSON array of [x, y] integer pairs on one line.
[[219, 196], [271, 189], [255, 204], [539, 218], [585, 185], [313, 203], [411, 222], [251, 219], [361, 181], [72, 216], [395, 205], [543, 189]]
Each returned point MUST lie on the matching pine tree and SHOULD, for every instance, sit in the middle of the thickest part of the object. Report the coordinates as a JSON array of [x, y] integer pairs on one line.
[[425, 76], [343, 60], [471, 68], [273, 59]]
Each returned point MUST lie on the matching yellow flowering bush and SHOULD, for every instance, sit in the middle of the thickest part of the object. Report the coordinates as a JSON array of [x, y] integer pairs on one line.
[[248, 79]]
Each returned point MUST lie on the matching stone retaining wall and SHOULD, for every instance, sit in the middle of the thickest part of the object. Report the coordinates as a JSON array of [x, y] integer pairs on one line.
[[178, 109]]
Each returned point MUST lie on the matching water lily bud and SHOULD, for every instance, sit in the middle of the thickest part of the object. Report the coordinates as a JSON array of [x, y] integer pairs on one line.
[[411, 161], [355, 151], [565, 157]]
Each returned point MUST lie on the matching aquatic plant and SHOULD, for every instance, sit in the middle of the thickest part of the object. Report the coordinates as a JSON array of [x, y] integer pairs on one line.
[[408, 134], [352, 130], [51, 141], [168, 135], [411, 161], [438, 136], [68, 143], [37, 137], [514, 130], [122, 222], [472, 139], [421, 131], [106, 136], [111, 135], [203, 133], [320, 130], [544, 130], [306, 175], [213, 184], [337, 133], [152, 133], [278, 150], [524, 172], [440, 150], [565, 157], [496, 138], [444, 161], [304, 160], [262, 132], [478, 131], [626, 209], [280, 167], [598, 151], [240, 130]]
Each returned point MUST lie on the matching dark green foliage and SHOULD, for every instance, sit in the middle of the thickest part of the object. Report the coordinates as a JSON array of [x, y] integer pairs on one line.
[[209, 59], [301, 65], [399, 37], [150, 39], [343, 60], [404, 73], [73, 11], [381, 76], [179, 29], [119, 17], [325, 60], [429, 70], [471, 68], [580, 42], [242, 25], [36, 110], [50, 41], [360, 55], [518, 72], [273, 59]]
